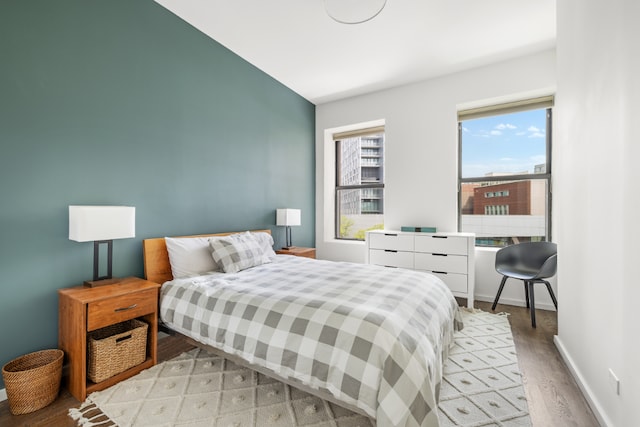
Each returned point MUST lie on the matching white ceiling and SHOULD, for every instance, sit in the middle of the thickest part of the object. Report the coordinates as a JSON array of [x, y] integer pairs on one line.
[[295, 41]]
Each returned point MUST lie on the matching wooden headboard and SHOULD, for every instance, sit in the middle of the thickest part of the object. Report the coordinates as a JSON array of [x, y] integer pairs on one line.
[[156, 258]]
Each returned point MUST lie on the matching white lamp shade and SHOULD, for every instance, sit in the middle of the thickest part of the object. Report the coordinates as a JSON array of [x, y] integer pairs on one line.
[[287, 217], [91, 223]]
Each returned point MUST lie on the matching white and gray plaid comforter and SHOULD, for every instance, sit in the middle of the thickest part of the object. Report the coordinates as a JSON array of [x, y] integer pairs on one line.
[[373, 337]]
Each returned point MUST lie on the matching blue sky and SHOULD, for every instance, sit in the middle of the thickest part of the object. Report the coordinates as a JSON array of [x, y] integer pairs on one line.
[[511, 143]]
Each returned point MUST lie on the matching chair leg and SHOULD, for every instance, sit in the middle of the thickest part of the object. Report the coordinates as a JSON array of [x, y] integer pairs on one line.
[[553, 297], [533, 304], [495, 302], [526, 292]]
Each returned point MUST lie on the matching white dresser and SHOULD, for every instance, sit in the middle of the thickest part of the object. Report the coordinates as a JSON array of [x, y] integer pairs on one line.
[[450, 256]]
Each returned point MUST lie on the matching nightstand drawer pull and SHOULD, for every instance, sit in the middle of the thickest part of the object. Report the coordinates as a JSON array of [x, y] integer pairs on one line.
[[131, 307]]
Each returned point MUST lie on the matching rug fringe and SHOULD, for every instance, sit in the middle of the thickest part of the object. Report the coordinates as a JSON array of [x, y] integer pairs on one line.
[[80, 415], [477, 310], [471, 310]]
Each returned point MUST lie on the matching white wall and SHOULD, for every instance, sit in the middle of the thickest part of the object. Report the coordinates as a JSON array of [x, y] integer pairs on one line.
[[596, 140], [421, 153]]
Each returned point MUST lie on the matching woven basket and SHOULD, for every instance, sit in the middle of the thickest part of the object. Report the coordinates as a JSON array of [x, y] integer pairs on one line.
[[32, 381], [116, 348]]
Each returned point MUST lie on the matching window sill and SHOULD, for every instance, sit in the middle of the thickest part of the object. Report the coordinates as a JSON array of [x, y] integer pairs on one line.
[[345, 242], [487, 249]]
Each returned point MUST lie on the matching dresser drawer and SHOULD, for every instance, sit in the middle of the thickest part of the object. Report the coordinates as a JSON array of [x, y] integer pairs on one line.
[[442, 244], [392, 241], [454, 281], [444, 263], [391, 258], [118, 309]]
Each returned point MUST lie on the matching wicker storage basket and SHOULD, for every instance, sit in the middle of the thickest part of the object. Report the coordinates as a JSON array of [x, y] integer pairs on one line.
[[116, 348], [32, 381]]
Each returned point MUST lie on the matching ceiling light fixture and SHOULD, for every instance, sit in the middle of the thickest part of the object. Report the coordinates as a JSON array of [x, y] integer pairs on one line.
[[353, 11]]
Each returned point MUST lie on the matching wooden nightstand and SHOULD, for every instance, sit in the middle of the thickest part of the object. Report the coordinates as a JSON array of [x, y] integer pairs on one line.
[[82, 309], [297, 251]]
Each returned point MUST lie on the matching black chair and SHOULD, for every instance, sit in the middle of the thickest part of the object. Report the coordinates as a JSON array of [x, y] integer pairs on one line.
[[531, 262]]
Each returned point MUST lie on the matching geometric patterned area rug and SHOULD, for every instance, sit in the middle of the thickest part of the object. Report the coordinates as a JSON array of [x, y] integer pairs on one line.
[[482, 381], [482, 387], [201, 389]]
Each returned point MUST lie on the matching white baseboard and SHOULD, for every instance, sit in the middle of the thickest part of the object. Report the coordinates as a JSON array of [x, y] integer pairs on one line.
[[515, 302], [3, 394], [600, 415]]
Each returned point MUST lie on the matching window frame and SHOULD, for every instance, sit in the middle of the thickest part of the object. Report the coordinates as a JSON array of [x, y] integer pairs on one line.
[[496, 110], [337, 156]]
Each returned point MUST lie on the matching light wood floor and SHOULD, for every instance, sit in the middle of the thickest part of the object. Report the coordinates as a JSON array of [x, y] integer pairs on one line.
[[553, 396]]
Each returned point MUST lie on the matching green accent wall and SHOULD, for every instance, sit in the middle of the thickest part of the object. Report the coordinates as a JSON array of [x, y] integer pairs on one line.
[[121, 102]]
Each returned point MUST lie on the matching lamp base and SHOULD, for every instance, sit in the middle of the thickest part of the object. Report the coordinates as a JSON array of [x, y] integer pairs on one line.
[[102, 282]]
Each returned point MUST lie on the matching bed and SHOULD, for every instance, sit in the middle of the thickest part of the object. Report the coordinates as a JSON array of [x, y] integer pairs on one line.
[[369, 338]]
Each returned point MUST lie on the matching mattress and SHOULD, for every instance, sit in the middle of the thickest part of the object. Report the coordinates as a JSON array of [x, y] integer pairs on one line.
[[373, 337]]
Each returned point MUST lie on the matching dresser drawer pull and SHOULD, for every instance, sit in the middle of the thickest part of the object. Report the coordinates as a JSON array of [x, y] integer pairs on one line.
[[132, 306], [439, 254], [391, 266], [391, 234], [391, 250], [439, 272], [440, 237]]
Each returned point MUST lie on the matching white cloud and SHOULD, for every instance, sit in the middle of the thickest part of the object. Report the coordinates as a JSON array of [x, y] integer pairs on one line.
[[464, 129], [481, 134], [496, 133], [533, 129], [537, 135], [503, 126]]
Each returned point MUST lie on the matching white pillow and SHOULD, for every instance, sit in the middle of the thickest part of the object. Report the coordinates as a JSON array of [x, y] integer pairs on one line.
[[266, 243], [237, 252], [190, 256]]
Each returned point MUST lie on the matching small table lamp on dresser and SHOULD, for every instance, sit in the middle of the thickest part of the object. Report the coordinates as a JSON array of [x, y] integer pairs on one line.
[[101, 224]]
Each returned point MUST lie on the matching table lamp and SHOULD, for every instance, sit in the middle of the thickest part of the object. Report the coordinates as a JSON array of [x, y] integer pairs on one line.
[[101, 224], [288, 218]]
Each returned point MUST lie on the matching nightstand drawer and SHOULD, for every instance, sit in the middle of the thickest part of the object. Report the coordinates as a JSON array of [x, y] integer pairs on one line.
[[118, 309]]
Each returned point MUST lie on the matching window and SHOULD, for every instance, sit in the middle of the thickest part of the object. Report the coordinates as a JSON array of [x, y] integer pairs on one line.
[[504, 172], [359, 182]]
